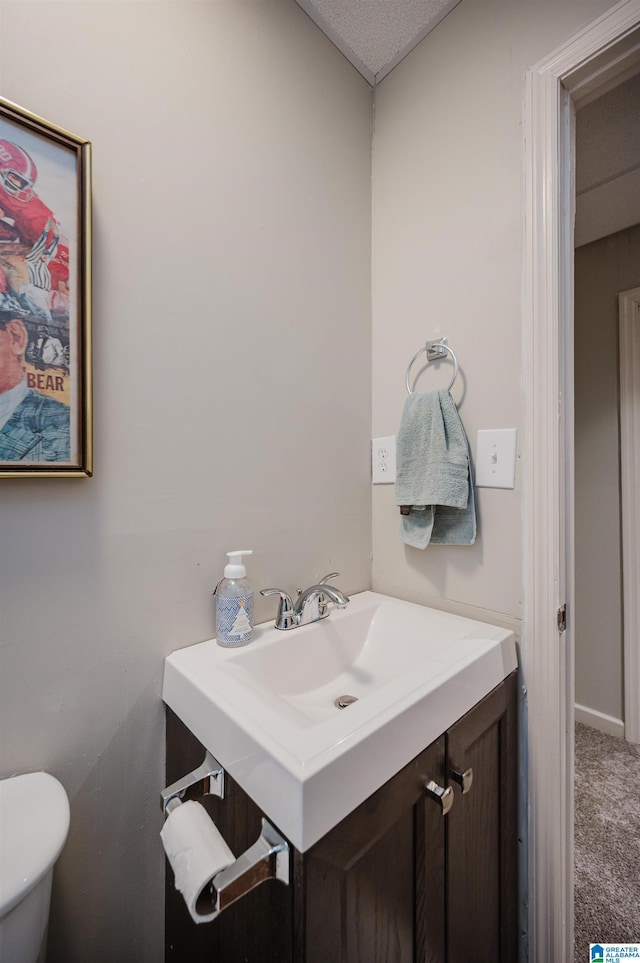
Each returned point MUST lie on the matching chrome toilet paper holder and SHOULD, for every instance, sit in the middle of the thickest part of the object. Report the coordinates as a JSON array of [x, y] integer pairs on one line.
[[267, 858], [210, 770]]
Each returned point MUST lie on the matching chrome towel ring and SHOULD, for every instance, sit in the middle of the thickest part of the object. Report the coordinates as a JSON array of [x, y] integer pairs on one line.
[[436, 351]]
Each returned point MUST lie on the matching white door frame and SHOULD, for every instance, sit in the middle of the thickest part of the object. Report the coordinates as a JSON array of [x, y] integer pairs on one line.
[[594, 59], [629, 310]]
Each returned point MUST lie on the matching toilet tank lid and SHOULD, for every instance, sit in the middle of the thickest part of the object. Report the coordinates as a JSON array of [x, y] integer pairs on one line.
[[34, 822]]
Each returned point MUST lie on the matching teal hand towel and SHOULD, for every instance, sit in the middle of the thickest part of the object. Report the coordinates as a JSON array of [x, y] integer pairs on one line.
[[433, 479]]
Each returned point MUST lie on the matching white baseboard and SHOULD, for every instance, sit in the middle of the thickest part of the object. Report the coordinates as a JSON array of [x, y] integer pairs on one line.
[[598, 720]]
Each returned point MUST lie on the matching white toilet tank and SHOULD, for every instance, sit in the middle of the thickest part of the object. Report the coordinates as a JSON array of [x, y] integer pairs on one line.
[[34, 822]]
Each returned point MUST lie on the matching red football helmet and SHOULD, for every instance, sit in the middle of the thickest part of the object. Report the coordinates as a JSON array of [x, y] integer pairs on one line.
[[17, 171]]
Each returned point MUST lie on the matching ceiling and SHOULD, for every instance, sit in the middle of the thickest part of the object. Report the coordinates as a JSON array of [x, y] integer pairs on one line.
[[376, 34]]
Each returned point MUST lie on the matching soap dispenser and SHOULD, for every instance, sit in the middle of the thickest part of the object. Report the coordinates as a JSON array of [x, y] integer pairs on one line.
[[234, 603]]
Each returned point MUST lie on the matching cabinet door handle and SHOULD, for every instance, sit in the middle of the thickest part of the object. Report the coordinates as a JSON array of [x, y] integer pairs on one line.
[[444, 797], [464, 778]]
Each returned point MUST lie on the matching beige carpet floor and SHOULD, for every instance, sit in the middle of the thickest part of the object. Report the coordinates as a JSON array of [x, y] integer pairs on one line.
[[607, 841]]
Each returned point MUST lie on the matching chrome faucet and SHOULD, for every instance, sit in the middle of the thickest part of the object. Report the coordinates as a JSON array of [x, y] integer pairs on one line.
[[290, 615]]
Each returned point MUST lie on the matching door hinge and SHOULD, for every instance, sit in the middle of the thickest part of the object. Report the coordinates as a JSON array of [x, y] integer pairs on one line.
[[562, 618]]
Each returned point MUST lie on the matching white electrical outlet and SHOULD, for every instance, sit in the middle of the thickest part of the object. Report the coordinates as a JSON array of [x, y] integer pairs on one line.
[[496, 458], [383, 460]]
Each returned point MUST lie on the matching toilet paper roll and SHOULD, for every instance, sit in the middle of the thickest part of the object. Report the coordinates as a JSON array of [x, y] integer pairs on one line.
[[196, 851]]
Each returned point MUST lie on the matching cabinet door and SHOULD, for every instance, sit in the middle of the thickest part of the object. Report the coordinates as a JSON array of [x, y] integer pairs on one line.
[[482, 833], [365, 882]]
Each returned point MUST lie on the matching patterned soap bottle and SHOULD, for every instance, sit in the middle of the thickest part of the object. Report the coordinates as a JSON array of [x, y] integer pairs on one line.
[[234, 603]]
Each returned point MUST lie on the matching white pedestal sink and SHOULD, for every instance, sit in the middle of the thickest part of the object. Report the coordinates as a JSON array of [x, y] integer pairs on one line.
[[268, 714]]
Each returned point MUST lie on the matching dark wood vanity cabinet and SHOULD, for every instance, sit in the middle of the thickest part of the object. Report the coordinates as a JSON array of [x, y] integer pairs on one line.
[[396, 881]]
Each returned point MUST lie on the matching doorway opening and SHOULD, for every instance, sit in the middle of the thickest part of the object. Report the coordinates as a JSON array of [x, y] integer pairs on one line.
[[599, 57], [606, 421]]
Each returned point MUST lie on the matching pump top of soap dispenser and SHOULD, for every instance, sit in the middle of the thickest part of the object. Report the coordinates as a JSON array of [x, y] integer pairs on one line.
[[235, 567]]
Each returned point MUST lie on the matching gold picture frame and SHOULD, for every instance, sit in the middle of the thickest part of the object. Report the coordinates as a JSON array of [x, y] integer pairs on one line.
[[46, 417]]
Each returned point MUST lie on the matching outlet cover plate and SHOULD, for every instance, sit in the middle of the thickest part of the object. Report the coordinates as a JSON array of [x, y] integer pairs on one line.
[[383, 460], [496, 458]]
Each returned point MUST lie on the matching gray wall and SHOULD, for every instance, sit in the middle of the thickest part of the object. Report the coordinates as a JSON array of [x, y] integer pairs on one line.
[[232, 398], [448, 217], [602, 270]]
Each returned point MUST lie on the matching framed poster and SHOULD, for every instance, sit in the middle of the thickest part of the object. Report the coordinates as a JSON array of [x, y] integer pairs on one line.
[[45, 298]]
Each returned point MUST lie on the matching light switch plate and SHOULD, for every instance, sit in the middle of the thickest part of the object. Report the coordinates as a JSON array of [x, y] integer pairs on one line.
[[496, 458], [383, 460]]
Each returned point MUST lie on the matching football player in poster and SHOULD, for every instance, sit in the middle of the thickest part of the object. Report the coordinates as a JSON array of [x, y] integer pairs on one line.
[[33, 426], [34, 315]]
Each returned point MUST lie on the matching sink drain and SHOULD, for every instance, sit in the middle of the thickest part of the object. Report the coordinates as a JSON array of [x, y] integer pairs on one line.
[[345, 700]]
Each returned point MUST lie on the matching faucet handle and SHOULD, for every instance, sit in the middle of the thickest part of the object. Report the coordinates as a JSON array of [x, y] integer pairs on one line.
[[323, 605], [284, 615], [326, 578]]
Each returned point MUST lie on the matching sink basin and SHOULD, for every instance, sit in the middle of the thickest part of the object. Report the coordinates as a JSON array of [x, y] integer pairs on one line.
[[268, 711], [358, 652]]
